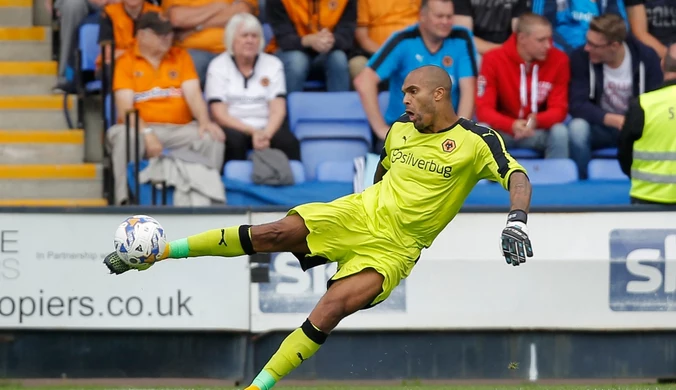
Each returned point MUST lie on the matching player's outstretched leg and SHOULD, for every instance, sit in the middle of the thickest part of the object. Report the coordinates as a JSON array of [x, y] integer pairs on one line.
[[343, 298], [285, 235]]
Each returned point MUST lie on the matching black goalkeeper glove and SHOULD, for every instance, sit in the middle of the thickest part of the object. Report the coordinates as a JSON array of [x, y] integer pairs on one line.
[[516, 245]]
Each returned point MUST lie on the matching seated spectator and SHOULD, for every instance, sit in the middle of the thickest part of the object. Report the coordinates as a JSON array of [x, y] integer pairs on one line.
[[313, 39], [246, 92], [653, 22], [70, 14], [200, 25], [570, 18], [606, 73], [432, 41], [116, 24], [647, 151], [377, 20], [523, 89], [160, 82], [491, 22]]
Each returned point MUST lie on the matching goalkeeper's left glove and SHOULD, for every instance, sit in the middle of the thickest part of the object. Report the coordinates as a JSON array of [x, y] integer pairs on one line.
[[516, 245]]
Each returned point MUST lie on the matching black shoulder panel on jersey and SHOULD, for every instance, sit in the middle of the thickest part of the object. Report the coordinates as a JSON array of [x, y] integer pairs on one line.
[[490, 137], [392, 44]]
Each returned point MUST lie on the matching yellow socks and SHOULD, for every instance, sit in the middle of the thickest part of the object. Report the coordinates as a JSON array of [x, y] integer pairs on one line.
[[229, 242], [297, 347]]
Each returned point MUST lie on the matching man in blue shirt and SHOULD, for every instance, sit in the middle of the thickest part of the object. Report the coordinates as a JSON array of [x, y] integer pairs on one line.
[[433, 41]]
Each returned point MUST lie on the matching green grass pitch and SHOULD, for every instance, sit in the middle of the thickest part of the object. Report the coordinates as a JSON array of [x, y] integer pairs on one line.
[[366, 387]]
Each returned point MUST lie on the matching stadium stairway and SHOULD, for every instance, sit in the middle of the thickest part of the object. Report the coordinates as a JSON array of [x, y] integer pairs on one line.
[[41, 159]]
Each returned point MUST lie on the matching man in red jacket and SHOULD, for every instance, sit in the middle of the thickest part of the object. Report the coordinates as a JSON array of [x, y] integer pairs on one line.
[[522, 89]]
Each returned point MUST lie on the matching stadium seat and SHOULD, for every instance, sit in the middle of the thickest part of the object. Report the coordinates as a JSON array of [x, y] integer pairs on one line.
[[525, 153], [329, 126], [89, 50], [109, 118], [146, 190], [383, 101], [267, 33], [551, 170], [340, 171], [242, 169], [605, 153], [605, 169]]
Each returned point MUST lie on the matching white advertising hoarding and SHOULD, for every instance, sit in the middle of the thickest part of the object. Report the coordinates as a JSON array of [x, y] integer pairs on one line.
[[590, 271], [52, 276]]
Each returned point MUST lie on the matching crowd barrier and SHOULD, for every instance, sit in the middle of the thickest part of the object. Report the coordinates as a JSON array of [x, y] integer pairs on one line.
[[591, 271]]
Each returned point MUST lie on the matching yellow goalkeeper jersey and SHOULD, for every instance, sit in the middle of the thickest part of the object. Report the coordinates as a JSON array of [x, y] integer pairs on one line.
[[429, 177]]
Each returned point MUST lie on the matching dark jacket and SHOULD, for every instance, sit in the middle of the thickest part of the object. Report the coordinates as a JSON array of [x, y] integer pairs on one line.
[[586, 80]]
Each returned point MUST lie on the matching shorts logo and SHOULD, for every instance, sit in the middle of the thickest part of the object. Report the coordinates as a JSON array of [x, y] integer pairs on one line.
[[447, 61], [265, 81], [448, 146]]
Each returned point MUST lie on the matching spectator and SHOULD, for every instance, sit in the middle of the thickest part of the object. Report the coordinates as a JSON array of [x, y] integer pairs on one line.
[[116, 24], [491, 22], [313, 39], [523, 89], [247, 93], [647, 152], [161, 83], [200, 25], [653, 22], [606, 73], [70, 13], [432, 41], [377, 20], [571, 18]]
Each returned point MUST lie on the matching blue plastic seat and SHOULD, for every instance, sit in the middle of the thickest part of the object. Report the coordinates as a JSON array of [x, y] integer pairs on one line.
[[551, 170], [329, 127], [242, 169], [383, 101], [605, 153], [145, 197], [88, 35], [605, 169], [525, 153], [337, 171], [268, 34]]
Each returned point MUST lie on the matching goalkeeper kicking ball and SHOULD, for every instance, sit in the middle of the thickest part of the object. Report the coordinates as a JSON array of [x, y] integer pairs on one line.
[[139, 240]]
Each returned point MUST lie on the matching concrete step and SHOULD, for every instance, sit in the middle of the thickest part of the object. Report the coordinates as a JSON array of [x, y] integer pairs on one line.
[[76, 181], [36, 112], [65, 202], [41, 146], [16, 12], [25, 44], [27, 77]]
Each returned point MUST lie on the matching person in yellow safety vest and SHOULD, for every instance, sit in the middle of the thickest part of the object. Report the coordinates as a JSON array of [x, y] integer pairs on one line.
[[647, 146]]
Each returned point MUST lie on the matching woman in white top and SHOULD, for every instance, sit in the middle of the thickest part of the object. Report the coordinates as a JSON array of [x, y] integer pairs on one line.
[[246, 91]]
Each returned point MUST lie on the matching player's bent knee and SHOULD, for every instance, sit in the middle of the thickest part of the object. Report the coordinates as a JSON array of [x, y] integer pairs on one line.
[[287, 234]]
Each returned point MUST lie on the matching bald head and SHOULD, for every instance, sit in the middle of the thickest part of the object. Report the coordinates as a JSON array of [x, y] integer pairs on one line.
[[433, 77], [670, 59]]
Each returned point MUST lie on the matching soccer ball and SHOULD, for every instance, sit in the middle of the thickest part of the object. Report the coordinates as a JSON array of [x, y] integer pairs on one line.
[[139, 240]]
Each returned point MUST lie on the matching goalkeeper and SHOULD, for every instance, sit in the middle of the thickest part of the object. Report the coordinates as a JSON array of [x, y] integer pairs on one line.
[[430, 162]]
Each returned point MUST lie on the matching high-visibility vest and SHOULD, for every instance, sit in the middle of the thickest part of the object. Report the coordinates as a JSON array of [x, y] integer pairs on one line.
[[653, 170]]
